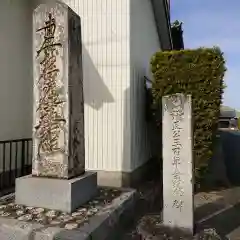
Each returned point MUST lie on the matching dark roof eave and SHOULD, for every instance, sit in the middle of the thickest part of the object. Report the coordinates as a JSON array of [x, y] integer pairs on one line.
[[160, 8]]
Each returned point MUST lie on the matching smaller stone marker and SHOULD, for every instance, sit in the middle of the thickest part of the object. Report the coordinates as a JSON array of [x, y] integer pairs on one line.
[[178, 210], [58, 179]]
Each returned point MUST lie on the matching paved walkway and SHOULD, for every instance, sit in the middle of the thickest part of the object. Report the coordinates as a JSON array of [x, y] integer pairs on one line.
[[218, 210]]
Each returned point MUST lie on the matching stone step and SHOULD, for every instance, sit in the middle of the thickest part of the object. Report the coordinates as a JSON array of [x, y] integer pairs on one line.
[[234, 235], [220, 210]]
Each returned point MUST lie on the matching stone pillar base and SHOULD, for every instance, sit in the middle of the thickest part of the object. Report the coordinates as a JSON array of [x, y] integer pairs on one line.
[[57, 194]]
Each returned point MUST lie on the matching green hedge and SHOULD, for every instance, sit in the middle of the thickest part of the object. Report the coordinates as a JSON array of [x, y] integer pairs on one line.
[[198, 72]]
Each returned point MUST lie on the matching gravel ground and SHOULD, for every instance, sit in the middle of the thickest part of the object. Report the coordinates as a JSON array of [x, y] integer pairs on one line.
[[56, 218], [147, 218], [150, 227]]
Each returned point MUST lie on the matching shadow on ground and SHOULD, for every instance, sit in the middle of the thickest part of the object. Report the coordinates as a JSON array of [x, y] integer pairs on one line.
[[219, 210], [224, 222]]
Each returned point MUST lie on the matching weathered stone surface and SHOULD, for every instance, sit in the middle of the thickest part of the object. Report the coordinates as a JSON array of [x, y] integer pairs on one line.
[[177, 162], [98, 226], [58, 194], [16, 230], [58, 111]]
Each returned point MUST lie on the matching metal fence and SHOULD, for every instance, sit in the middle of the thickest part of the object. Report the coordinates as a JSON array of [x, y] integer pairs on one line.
[[15, 161]]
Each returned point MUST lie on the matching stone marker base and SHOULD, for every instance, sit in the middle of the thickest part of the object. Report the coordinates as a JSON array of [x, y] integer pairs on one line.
[[57, 194], [108, 223]]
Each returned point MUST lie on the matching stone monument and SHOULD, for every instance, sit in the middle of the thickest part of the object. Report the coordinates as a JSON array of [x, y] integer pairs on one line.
[[58, 179], [178, 210]]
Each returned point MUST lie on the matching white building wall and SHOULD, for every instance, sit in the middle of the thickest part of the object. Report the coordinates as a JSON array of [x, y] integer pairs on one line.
[[106, 71], [15, 70], [105, 29], [15, 80], [119, 37], [144, 42]]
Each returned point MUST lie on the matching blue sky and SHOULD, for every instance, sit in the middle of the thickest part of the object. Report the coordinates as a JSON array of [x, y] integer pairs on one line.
[[214, 22]]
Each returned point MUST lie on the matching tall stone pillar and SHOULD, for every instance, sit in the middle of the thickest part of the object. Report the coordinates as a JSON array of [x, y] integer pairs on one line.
[[58, 111], [58, 176]]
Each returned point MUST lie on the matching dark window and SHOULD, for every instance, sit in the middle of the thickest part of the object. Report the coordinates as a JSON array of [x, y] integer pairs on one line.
[[223, 124]]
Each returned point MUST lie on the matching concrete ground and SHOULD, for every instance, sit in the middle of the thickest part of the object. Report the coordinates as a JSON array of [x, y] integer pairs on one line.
[[217, 211]]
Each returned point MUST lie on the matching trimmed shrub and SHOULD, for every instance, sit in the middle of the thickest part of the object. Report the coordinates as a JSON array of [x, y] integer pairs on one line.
[[200, 73]]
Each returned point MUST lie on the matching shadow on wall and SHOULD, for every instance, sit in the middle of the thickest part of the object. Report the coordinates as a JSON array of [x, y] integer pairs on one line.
[[95, 90], [154, 125], [127, 134], [134, 147], [225, 164], [16, 70], [230, 141], [139, 135]]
